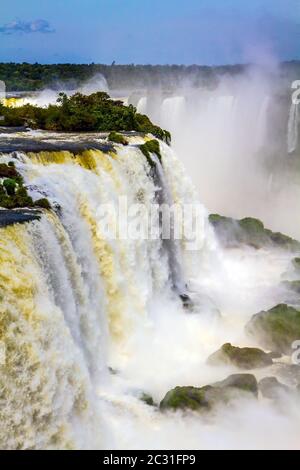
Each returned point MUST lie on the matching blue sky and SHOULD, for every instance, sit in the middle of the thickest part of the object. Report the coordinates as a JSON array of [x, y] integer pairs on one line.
[[149, 31]]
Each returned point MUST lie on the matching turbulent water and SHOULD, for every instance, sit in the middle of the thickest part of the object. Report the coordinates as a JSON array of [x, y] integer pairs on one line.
[[88, 324]]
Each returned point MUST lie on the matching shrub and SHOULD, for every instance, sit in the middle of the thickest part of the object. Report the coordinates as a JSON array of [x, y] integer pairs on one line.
[[10, 186], [117, 138], [81, 113]]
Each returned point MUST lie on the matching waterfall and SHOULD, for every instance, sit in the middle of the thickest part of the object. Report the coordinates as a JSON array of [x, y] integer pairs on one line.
[[71, 299], [173, 112], [142, 105], [293, 128], [170, 243], [262, 124]]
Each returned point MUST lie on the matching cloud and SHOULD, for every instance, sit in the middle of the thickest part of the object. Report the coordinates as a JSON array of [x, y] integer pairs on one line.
[[26, 27]]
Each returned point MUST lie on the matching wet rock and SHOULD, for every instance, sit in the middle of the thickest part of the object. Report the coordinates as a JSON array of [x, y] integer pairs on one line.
[[243, 358], [249, 231], [293, 286], [186, 301], [146, 398], [276, 329], [296, 263], [20, 216], [205, 398], [19, 144], [271, 388], [117, 138], [241, 382]]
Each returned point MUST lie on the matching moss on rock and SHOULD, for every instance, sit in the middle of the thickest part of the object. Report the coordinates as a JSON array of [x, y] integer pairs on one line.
[[117, 138], [43, 203], [13, 193], [207, 397], [243, 358], [249, 231], [276, 329], [151, 147], [147, 399]]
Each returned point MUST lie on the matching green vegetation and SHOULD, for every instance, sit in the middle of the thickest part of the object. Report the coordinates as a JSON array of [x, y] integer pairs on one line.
[[30, 77], [243, 358], [13, 193], [147, 399], [80, 113], [276, 329], [249, 231], [117, 138], [150, 147], [207, 397]]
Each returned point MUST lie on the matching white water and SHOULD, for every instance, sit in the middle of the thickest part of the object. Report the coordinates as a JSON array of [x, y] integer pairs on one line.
[[76, 304]]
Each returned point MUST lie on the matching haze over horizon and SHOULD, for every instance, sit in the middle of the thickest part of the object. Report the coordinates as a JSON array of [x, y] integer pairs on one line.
[[169, 32]]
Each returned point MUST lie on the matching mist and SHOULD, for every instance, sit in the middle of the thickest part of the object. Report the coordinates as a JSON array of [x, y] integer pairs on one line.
[[234, 139]]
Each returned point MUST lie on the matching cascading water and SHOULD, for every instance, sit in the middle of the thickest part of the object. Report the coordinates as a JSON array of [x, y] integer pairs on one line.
[[142, 105], [72, 300], [90, 323]]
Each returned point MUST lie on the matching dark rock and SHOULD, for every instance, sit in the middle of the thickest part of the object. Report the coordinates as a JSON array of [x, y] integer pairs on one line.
[[276, 329], [20, 216], [241, 382], [271, 388], [243, 358], [205, 398], [249, 231], [293, 286], [146, 398], [296, 263], [19, 144], [186, 301], [274, 355], [13, 130]]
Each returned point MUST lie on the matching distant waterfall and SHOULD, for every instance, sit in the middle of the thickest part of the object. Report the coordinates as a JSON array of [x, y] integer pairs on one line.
[[172, 112], [293, 128], [142, 105], [262, 124]]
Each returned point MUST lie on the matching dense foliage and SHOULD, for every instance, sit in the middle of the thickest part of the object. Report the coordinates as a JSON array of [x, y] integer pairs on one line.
[[81, 113], [31, 77], [13, 193]]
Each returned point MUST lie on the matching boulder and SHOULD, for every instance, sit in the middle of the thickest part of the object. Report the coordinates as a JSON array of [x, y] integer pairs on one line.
[[243, 358], [296, 263], [205, 398], [271, 388], [276, 329], [249, 231], [147, 399]]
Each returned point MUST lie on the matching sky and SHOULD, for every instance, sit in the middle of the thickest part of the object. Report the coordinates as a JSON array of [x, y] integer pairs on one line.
[[210, 32]]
